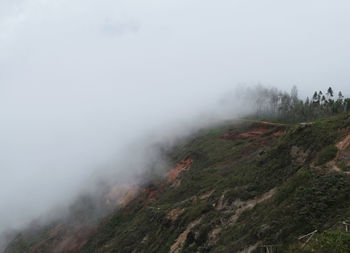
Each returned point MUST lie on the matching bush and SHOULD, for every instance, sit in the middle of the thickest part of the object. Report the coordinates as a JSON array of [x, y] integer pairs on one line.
[[337, 242], [327, 154], [343, 166]]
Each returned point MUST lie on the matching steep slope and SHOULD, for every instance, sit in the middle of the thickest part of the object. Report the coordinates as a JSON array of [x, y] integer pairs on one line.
[[234, 188]]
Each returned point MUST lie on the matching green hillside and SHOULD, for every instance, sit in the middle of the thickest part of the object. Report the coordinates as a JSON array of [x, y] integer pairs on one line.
[[233, 188]]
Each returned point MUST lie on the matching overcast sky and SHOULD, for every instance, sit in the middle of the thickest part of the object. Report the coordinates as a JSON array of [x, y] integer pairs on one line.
[[81, 79]]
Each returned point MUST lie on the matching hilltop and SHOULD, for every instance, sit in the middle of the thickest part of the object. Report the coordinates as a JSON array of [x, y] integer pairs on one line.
[[234, 188]]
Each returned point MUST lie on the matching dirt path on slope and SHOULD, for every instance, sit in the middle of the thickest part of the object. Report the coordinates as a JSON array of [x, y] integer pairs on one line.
[[250, 248], [344, 143], [264, 122], [180, 241], [342, 146], [173, 174], [245, 205], [241, 207]]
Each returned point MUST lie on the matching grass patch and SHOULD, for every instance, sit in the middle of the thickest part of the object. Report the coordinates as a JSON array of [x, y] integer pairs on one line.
[[331, 242], [343, 166], [327, 154]]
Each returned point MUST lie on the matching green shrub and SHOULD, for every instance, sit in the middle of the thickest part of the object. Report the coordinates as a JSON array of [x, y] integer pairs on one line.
[[196, 211], [343, 166], [326, 154], [332, 242]]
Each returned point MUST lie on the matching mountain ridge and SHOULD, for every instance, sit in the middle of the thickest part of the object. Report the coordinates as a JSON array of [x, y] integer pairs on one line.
[[233, 188]]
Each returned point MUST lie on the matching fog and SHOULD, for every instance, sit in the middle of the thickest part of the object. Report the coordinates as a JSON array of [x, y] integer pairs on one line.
[[87, 85]]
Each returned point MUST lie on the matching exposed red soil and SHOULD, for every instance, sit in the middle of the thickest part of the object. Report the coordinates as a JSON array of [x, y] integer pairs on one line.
[[344, 143], [175, 213], [149, 194], [72, 237], [343, 155], [254, 131], [172, 176], [278, 133], [259, 134]]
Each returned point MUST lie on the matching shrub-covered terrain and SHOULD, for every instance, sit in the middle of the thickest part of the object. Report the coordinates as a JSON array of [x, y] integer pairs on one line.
[[234, 188]]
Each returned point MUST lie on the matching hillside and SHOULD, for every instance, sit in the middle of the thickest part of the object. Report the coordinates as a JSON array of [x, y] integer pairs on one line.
[[232, 188]]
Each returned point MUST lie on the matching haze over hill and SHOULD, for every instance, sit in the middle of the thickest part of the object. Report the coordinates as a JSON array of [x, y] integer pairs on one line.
[[83, 81]]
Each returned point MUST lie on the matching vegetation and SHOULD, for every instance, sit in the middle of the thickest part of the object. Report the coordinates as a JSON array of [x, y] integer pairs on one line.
[[250, 183], [272, 104], [342, 165], [306, 198], [330, 242], [327, 154]]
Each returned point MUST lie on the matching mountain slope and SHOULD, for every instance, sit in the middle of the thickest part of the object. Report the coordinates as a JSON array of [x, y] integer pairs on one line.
[[233, 188]]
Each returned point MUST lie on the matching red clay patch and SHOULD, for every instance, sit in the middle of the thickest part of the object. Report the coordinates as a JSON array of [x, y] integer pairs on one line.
[[173, 175], [149, 194], [254, 131], [175, 213], [344, 143]]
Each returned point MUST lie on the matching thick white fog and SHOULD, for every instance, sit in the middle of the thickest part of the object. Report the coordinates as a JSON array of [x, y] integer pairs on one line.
[[82, 80]]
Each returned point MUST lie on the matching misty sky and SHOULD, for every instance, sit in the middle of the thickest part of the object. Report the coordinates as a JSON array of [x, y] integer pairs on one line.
[[82, 79]]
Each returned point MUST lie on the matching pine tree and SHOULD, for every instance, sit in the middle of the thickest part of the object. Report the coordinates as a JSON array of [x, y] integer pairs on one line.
[[347, 105], [315, 98], [285, 106], [340, 96], [307, 101], [330, 92]]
